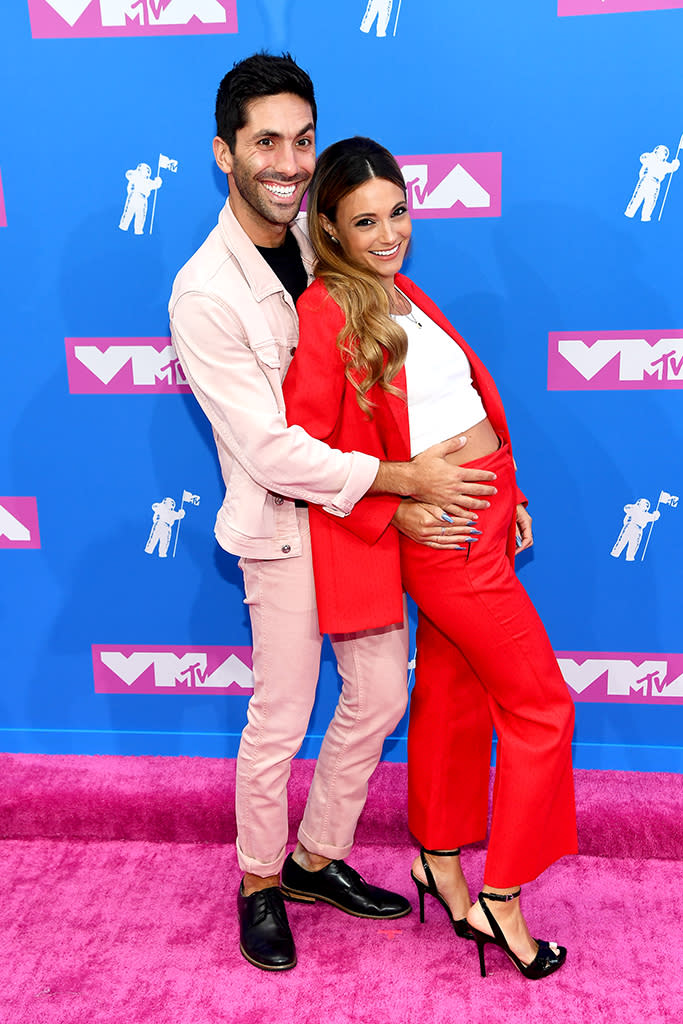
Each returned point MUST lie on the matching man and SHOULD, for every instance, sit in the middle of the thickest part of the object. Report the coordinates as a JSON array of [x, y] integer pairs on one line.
[[235, 329]]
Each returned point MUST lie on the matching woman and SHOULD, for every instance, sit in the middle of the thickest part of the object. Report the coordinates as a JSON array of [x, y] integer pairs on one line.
[[392, 377]]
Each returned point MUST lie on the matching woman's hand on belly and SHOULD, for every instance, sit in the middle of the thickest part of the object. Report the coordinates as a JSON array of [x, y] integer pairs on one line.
[[524, 536], [430, 525]]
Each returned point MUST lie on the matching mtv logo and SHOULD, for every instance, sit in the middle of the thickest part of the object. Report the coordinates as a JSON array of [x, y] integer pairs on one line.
[[78, 19], [608, 677], [453, 184], [569, 7], [146, 669], [3, 215], [19, 523], [615, 360], [123, 366]]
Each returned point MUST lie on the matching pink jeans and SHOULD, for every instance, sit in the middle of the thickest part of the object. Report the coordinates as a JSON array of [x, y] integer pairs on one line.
[[286, 641]]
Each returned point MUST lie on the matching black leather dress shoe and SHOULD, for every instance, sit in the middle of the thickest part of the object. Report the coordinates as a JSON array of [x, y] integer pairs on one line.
[[343, 887], [265, 938]]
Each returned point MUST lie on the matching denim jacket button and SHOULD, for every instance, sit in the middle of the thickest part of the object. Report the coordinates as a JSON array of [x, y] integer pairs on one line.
[[286, 548]]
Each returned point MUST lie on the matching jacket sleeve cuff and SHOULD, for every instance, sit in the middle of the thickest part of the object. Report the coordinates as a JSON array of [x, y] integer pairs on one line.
[[520, 498], [364, 469]]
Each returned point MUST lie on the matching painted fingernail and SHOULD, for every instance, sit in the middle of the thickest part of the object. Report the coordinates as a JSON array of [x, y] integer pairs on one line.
[[446, 518], [459, 547], [476, 531], [472, 540]]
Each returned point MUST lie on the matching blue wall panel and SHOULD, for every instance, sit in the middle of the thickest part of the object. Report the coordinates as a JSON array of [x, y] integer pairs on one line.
[[571, 101]]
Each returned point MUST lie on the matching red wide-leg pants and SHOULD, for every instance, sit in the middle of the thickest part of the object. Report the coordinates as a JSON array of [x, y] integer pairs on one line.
[[484, 659]]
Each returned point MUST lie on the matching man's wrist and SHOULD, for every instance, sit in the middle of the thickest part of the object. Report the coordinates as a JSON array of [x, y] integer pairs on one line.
[[394, 478]]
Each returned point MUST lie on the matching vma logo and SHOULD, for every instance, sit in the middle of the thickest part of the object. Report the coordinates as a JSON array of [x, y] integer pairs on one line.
[[453, 184], [146, 669], [568, 7], [595, 676], [615, 360], [3, 216], [79, 19], [123, 366], [19, 523]]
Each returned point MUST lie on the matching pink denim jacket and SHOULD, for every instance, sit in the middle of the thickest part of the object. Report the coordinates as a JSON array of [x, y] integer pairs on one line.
[[235, 330]]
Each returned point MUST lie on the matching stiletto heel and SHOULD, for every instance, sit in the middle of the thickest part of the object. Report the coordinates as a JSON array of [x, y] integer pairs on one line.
[[421, 890], [481, 942], [548, 959], [460, 926]]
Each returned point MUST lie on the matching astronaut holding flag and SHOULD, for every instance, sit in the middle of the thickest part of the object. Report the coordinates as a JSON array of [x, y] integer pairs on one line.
[[140, 186], [164, 519], [654, 168], [637, 518]]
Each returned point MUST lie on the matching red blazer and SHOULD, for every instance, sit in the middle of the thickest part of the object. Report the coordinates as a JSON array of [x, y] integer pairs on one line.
[[356, 558]]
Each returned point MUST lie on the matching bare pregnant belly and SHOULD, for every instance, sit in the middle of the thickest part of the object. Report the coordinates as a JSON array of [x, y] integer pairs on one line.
[[481, 440]]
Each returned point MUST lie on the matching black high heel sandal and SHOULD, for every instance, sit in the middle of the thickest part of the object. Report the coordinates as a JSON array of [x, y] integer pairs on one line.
[[460, 926], [549, 958]]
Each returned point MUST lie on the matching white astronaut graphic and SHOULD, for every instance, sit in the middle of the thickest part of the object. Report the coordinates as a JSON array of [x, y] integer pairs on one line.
[[654, 168], [637, 517], [380, 10], [165, 516], [140, 185]]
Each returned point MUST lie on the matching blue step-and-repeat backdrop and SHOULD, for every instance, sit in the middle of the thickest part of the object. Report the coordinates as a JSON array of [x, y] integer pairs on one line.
[[540, 144]]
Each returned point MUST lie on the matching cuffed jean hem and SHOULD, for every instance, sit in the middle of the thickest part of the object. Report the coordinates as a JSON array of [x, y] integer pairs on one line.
[[324, 849], [251, 866]]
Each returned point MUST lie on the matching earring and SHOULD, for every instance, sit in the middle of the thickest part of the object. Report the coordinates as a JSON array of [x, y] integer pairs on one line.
[[335, 240]]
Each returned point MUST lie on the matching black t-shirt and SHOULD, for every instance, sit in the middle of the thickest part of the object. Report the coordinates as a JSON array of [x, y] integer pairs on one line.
[[285, 261]]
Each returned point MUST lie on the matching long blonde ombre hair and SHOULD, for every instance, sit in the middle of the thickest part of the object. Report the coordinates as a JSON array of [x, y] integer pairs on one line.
[[373, 346]]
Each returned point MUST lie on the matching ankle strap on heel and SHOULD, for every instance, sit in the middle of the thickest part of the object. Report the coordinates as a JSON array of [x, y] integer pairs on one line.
[[500, 897], [442, 853]]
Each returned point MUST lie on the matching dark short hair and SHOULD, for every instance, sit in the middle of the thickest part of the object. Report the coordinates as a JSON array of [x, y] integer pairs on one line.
[[262, 74]]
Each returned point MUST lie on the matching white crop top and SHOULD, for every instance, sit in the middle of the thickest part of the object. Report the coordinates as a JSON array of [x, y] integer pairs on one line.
[[442, 401]]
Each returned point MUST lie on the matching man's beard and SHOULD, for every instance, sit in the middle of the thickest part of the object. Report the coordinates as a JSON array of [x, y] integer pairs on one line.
[[256, 196]]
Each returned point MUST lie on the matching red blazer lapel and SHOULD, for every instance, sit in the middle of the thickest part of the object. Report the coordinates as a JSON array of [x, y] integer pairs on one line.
[[398, 406]]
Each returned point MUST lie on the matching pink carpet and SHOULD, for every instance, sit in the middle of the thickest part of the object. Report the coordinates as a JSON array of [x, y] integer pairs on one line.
[[118, 883]]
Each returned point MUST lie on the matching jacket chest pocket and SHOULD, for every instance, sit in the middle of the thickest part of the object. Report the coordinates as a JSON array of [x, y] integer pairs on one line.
[[267, 352]]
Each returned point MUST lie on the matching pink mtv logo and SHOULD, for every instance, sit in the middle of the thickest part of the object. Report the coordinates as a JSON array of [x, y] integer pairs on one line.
[[620, 678], [129, 668], [453, 184], [615, 360], [568, 7], [3, 216], [19, 523], [79, 19], [123, 366]]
